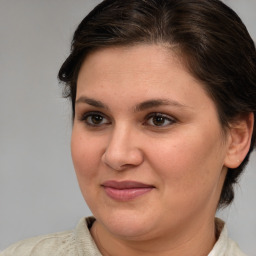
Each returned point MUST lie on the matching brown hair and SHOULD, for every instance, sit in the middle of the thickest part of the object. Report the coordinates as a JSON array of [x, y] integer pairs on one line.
[[212, 41]]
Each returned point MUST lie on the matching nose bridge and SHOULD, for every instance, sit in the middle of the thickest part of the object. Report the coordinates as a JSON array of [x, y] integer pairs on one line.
[[123, 149], [121, 137]]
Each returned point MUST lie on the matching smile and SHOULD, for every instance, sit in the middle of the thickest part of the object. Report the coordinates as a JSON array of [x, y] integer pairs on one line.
[[125, 190]]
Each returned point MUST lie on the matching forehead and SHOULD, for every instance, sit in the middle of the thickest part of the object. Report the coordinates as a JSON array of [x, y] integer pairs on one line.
[[139, 73], [134, 62]]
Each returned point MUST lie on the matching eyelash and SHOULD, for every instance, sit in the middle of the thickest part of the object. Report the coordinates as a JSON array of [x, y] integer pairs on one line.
[[164, 118], [88, 115], [87, 118]]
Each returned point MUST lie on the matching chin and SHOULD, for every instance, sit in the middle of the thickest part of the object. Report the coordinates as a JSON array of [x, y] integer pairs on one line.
[[126, 224]]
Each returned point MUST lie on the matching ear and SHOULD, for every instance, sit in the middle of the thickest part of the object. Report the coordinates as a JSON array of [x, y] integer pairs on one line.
[[240, 134]]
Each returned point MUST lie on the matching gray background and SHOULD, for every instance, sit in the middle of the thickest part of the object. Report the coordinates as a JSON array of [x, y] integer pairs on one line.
[[38, 189]]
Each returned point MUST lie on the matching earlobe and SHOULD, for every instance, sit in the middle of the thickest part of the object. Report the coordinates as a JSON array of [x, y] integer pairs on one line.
[[240, 134]]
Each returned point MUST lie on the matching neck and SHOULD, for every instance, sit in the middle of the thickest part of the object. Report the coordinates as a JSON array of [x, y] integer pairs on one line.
[[195, 241]]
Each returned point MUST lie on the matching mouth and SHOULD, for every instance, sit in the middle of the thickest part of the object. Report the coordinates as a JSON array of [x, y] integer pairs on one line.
[[126, 190]]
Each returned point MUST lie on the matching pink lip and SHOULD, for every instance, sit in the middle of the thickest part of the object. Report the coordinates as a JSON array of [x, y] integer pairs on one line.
[[125, 190]]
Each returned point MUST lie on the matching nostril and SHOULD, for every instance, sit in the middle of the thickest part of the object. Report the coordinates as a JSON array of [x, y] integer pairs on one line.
[[113, 161], [122, 160]]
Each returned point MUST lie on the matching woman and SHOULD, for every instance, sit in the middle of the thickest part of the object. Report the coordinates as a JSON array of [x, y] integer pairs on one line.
[[163, 96]]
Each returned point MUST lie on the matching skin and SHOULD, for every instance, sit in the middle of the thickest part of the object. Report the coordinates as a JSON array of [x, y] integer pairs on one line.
[[184, 157]]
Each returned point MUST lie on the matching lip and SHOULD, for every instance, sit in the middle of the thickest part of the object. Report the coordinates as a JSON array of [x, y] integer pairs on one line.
[[126, 190]]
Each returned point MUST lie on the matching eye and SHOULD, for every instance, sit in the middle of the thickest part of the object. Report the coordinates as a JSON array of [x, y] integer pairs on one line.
[[95, 119], [159, 120]]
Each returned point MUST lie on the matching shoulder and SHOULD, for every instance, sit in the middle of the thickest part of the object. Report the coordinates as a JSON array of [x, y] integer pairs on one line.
[[68, 243], [53, 244], [233, 249], [224, 245]]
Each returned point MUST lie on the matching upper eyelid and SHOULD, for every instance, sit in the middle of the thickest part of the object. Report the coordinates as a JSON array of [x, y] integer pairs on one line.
[[83, 118], [94, 113], [167, 116], [88, 113], [83, 115]]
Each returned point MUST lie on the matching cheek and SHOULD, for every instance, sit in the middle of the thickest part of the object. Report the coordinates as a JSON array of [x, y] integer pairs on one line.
[[86, 159], [190, 179], [85, 155], [188, 163]]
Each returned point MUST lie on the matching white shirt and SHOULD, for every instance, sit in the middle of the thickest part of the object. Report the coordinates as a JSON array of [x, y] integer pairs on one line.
[[79, 242]]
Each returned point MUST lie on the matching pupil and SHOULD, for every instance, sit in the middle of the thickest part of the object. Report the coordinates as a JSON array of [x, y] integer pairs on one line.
[[96, 119], [158, 120]]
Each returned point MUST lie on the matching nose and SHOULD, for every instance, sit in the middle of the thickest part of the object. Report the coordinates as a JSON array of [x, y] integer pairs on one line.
[[122, 150]]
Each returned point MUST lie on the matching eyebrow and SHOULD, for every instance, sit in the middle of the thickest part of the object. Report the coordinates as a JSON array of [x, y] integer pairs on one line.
[[92, 102], [138, 108], [157, 103]]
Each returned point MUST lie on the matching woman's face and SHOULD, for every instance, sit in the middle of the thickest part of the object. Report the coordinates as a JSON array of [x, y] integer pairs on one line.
[[147, 146]]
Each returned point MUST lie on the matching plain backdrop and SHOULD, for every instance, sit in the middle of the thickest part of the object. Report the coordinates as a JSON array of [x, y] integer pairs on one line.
[[38, 188]]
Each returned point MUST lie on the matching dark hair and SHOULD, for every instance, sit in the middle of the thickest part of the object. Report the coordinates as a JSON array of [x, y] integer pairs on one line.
[[211, 40]]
